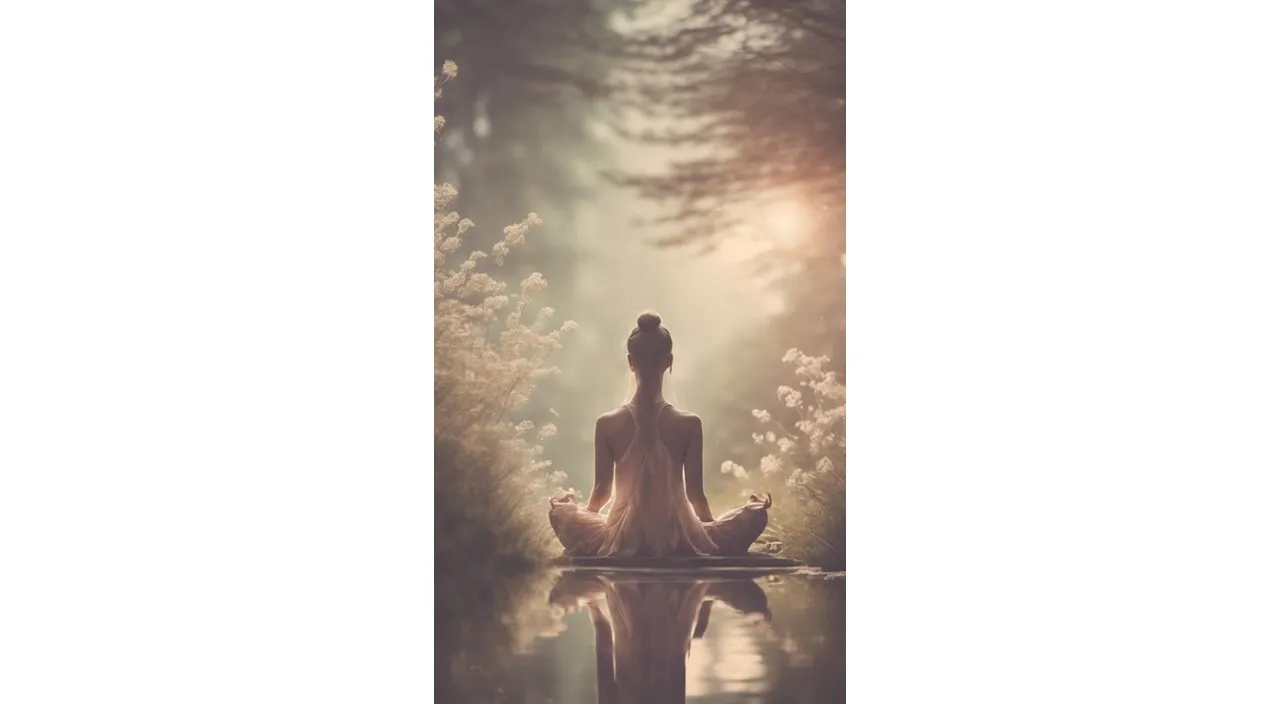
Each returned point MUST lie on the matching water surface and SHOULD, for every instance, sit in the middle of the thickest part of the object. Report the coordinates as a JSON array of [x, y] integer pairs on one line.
[[617, 638]]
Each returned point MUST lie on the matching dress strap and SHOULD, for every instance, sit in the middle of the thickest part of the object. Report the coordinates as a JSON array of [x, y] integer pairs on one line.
[[655, 419]]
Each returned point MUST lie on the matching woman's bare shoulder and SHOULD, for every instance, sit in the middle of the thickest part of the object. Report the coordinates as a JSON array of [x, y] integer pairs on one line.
[[613, 419], [686, 419]]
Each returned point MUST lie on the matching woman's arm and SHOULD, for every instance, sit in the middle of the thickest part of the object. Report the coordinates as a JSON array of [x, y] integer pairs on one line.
[[603, 488], [693, 475], [704, 619], [606, 676]]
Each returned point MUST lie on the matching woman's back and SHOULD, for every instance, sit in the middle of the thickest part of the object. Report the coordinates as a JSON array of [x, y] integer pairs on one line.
[[651, 515], [676, 430]]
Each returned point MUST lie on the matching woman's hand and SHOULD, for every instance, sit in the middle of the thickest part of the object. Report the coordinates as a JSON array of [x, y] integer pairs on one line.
[[742, 595], [574, 589], [565, 499], [703, 512]]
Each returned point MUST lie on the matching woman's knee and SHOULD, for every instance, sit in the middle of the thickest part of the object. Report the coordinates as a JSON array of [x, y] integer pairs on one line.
[[761, 518]]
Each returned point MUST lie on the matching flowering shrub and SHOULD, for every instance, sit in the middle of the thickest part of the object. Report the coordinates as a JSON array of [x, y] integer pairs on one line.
[[804, 463], [491, 348]]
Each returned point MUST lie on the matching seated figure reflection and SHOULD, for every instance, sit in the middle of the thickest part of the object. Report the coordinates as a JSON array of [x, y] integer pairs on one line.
[[644, 627]]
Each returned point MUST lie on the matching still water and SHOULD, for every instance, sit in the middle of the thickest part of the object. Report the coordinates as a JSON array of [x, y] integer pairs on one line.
[[569, 637]]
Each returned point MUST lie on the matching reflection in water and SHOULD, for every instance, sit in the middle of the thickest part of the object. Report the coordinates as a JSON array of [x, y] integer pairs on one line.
[[581, 637], [729, 661], [649, 633], [484, 618]]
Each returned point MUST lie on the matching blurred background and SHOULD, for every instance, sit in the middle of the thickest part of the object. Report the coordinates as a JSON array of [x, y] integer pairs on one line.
[[684, 156]]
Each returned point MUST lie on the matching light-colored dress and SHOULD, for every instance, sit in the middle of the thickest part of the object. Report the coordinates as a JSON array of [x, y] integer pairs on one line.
[[651, 516]]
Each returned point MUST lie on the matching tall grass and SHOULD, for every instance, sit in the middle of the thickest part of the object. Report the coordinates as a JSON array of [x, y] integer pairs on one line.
[[804, 464], [491, 348]]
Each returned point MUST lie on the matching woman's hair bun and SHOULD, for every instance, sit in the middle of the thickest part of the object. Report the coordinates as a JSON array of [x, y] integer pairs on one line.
[[648, 321]]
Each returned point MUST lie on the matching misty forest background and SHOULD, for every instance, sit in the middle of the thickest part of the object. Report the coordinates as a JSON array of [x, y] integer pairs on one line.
[[683, 156]]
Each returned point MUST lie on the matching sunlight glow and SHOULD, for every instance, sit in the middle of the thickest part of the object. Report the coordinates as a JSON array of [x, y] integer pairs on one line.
[[780, 224], [785, 222]]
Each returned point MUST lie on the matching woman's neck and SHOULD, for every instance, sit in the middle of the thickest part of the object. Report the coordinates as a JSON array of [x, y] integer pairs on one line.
[[647, 391]]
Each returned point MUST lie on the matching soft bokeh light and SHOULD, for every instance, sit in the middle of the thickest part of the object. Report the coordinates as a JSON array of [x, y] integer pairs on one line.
[[785, 222]]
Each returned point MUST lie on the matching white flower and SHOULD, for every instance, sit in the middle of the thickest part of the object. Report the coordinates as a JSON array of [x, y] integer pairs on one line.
[[450, 69], [533, 284], [762, 416], [514, 234], [444, 195], [770, 464], [733, 468], [790, 396]]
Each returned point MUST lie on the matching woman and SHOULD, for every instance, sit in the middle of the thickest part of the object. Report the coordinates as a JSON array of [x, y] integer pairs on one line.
[[650, 453]]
